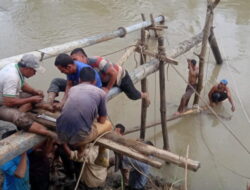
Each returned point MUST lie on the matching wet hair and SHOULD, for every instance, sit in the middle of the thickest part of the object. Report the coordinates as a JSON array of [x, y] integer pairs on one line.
[[87, 74], [193, 61], [8, 133], [78, 50], [149, 143], [121, 127], [63, 60]]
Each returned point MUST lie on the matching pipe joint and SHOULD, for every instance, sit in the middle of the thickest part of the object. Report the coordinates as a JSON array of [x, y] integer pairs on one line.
[[124, 31]]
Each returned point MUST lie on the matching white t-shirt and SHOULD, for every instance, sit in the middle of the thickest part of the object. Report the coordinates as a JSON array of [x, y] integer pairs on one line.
[[11, 81]]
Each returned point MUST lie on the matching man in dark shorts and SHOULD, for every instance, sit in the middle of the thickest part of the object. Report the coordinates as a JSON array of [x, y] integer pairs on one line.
[[192, 80], [84, 104], [111, 74], [219, 93]]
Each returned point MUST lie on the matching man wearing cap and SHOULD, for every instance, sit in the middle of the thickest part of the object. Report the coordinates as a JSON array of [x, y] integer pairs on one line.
[[219, 93], [13, 103], [192, 80]]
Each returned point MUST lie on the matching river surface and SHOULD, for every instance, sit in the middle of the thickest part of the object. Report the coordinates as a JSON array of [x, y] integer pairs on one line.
[[27, 25]]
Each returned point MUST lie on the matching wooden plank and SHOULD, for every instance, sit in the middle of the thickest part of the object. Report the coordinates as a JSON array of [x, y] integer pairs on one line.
[[174, 117], [154, 151], [128, 152]]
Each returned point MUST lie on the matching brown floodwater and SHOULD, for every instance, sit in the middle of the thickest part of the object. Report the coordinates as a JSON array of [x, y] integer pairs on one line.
[[27, 25]]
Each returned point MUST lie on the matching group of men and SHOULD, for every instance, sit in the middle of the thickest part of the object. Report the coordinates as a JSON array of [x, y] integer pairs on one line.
[[217, 94], [83, 107]]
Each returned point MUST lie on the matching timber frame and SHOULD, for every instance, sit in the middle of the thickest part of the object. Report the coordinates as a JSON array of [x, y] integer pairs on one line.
[[21, 141]]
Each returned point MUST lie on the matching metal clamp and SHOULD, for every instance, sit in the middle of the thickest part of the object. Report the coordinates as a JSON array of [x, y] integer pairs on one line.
[[123, 30]]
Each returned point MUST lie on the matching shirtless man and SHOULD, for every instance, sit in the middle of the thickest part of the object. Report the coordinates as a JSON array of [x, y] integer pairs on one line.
[[192, 79], [219, 93]]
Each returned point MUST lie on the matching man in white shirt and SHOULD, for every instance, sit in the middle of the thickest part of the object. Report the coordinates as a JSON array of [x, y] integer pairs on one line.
[[12, 103]]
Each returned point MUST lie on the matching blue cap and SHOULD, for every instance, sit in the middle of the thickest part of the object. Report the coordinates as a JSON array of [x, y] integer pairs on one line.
[[224, 81]]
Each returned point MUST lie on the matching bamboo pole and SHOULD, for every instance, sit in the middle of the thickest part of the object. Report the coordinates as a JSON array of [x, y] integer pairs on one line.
[[144, 87], [154, 151], [128, 152], [186, 171], [188, 112], [163, 109], [136, 75], [206, 32], [10, 146], [214, 46], [85, 42], [18, 143]]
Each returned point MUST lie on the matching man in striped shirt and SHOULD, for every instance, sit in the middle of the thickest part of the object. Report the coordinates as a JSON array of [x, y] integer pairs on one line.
[[111, 74]]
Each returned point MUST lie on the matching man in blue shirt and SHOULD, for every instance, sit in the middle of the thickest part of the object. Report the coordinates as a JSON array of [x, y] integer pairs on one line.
[[16, 171], [72, 69]]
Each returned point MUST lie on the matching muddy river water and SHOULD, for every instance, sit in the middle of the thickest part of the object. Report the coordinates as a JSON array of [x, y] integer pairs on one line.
[[27, 25]]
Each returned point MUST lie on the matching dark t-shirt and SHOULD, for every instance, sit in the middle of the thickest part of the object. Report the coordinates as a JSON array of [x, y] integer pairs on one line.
[[84, 103]]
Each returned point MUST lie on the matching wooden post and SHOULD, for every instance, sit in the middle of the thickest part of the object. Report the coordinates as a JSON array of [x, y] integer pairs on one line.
[[161, 51], [206, 32], [143, 85], [214, 46], [153, 25]]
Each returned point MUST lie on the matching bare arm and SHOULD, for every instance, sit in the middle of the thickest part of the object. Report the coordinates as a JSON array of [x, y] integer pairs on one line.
[[27, 88], [14, 101], [67, 149], [59, 106], [113, 76], [230, 99], [210, 93], [22, 166], [68, 86]]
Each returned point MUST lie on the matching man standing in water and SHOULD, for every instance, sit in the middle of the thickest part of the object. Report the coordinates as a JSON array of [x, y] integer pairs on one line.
[[219, 93], [192, 80]]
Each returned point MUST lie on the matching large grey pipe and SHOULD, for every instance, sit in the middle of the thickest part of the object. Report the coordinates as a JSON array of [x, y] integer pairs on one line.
[[66, 47]]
